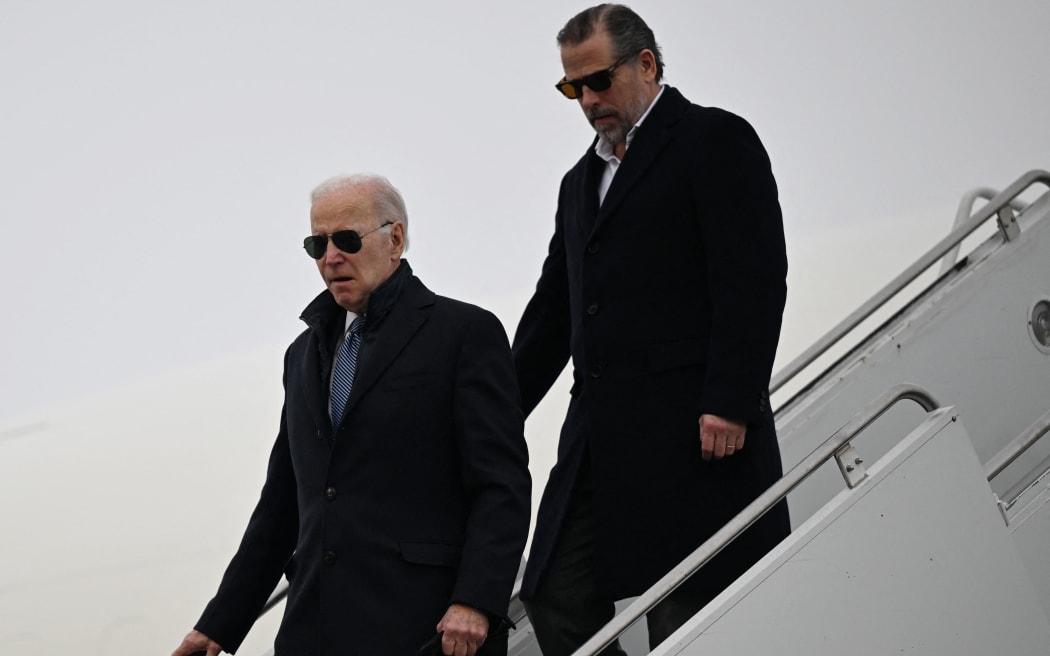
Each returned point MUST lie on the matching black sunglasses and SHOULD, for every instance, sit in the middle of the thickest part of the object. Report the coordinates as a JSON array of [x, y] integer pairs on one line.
[[599, 81], [348, 241]]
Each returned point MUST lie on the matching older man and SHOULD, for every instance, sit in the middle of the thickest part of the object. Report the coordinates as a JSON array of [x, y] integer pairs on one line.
[[665, 284], [397, 494]]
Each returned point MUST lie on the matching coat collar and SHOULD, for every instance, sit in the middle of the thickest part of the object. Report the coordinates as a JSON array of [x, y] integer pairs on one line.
[[396, 309], [652, 137], [323, 314], [382, 345]]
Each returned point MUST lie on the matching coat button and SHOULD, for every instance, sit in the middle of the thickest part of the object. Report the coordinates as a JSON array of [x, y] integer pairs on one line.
[[592, 247], [596, 371], [329, 493], [329, 558], [592, 309]]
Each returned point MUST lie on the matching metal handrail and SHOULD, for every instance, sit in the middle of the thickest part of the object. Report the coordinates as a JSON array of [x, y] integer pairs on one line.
[[278, 595], [752, 513], [516, 609], [963, 214], [999, 202], [1021, 443]]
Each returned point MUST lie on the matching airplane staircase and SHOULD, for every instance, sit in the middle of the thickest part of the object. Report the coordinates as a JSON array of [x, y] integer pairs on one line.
[[938, 546], [919, 527]]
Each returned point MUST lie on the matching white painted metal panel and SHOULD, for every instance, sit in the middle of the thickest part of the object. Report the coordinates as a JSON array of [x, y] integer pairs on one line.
[[966, 340], [915, 560], [1029, 520]]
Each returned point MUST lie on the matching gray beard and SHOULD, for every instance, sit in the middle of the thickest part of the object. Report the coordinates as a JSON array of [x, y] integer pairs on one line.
[[616, 133]]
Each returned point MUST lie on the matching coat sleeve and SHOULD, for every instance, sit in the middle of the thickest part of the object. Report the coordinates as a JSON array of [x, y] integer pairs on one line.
[[747, 269], [541, 341], [489, 429], [265, 549]]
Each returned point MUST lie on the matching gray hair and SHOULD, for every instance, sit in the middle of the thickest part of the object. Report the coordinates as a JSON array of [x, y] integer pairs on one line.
[[627, 31], [386, 199]]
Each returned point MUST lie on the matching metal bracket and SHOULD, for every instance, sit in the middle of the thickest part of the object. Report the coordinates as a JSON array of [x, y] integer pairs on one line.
[[851, 465], [1008, 225]]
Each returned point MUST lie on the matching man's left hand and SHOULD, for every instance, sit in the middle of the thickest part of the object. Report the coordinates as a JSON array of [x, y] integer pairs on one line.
[[465, 629], [720, 436]]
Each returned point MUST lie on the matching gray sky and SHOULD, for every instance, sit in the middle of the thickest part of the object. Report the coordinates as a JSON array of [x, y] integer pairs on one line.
[[155, 165], [156, 158]]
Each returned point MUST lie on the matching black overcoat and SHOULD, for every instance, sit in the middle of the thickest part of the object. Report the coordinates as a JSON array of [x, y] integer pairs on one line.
[[668, 298], [419, 499]]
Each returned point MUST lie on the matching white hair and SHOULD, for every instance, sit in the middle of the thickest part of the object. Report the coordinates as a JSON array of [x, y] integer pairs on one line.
[[389, 204]]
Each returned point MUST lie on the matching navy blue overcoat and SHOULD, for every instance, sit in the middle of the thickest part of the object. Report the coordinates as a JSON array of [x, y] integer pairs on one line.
[[418, 500], [668, 299]]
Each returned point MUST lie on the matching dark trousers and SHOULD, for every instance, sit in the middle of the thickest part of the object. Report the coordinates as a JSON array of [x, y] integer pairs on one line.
[[566, 610]]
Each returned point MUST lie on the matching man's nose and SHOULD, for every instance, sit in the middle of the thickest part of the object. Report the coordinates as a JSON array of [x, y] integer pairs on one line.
[[588, 97], [332, 252]]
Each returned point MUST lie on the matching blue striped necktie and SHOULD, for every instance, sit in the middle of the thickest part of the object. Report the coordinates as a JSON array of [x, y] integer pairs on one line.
[[343, 371]]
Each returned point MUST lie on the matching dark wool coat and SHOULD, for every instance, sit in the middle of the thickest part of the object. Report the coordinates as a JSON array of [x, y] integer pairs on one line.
[[419, 499], [668, 299]]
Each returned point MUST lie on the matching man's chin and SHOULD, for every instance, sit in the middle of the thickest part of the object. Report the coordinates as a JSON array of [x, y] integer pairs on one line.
[[610, 135], [347, 301]]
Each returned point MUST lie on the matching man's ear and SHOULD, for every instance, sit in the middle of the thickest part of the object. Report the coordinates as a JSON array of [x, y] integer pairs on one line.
[[648, 61], [397, 239]]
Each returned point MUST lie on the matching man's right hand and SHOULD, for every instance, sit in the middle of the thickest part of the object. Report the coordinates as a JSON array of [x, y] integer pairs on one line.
[[196, 642]]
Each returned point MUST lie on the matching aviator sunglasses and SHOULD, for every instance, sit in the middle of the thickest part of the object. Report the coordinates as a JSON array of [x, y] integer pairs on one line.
[[598, 81], [348, 241]]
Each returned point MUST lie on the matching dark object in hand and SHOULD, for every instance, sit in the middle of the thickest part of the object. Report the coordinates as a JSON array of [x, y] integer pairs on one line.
[[495, 644]]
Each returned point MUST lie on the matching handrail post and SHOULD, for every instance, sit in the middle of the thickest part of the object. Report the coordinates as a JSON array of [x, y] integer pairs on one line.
[[963, 214], [832, 337]]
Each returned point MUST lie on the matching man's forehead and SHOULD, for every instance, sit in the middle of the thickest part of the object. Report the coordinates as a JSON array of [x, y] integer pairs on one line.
[[591, 55], [346, 210]]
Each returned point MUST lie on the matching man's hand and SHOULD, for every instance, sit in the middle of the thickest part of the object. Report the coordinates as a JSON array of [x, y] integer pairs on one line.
[[196, 642], [465, 630], [720, 437]]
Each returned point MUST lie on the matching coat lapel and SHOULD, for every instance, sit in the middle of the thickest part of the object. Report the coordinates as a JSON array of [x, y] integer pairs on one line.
[[315, 394], [409, 313], [320, 316], [652, 137], [592, 174]]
